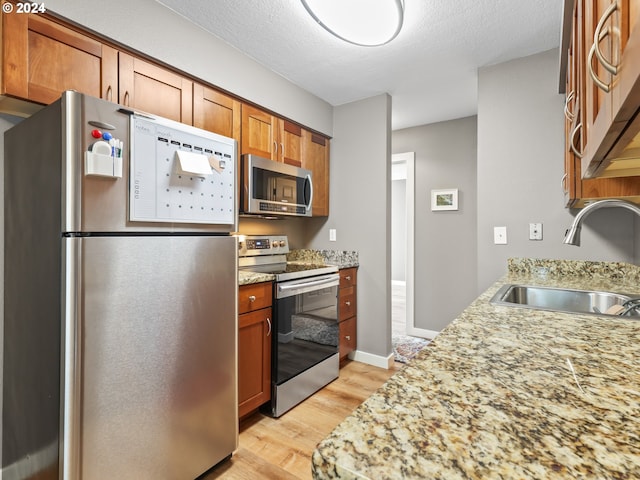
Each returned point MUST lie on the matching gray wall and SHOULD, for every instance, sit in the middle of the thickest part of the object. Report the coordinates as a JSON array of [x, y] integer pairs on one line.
[[398, 230], [445, 241], [520, 165], [360, 181]]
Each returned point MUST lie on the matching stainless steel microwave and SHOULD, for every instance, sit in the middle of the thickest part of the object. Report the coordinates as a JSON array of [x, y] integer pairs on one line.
[[274, 188]]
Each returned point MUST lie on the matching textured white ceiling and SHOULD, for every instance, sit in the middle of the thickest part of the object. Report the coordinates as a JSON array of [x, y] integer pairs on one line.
[[430, 69]]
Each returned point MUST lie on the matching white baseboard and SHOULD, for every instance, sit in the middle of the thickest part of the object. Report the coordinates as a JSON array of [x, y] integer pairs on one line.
[[371, 359], [421, 332]]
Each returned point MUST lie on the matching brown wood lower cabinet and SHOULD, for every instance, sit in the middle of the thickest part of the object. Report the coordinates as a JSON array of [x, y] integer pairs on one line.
[[347, 310], [254, 346]]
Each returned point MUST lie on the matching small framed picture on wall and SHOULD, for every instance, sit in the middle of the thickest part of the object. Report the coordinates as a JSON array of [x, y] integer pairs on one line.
[[445, 199]]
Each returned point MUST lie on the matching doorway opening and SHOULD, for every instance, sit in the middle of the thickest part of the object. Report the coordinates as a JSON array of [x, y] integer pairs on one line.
[[402, 220], [403, 247]]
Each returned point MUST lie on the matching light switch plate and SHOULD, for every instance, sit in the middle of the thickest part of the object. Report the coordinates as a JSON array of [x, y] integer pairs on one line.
[[332, 234], [500, 235]]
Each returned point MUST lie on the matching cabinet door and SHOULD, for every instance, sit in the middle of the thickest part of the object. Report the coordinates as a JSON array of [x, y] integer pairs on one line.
[[626, 95], [316, 158], [573, 125], [612, 72], [42, 59], [258, 132], [216, 112], [598, 80], [155, 90], [289, 143], [254, 360]]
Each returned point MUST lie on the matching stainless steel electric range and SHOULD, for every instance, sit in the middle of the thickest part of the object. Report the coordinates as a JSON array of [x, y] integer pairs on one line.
[[305, 353]]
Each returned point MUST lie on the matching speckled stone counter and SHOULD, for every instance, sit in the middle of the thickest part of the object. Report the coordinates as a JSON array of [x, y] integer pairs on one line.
[[340, 258], [248, 278], [507, 393]]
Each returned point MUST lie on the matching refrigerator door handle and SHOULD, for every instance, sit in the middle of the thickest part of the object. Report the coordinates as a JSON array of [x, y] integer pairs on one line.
[[72, 350]]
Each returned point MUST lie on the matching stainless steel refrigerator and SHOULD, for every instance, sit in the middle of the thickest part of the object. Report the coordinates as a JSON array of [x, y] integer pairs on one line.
[[120, 303]]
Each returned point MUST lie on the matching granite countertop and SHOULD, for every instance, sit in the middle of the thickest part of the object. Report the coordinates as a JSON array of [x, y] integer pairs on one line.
[[506, 392], [339, 258], [249, 278], [342, 259]]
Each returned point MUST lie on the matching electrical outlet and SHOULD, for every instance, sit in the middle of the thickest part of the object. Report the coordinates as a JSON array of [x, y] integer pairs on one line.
[[500, 235], [535, 231], [332, 234]]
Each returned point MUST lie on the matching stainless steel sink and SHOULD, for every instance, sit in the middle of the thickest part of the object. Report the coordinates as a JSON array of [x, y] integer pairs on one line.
[[563, 300]]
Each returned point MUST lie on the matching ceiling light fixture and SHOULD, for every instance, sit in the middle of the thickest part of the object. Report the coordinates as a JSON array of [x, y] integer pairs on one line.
[[367, 23]]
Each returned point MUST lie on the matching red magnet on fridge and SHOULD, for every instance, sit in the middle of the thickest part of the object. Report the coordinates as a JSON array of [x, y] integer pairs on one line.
[[96, 133]]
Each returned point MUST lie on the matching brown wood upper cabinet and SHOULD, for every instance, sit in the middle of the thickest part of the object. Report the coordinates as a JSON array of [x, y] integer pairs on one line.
[[41, 59], [269, 136], [606, 45], [216, 112], [150, 88], [585, 112], [316, 158]]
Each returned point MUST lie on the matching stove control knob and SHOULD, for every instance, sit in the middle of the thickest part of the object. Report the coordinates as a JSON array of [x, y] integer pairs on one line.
[[274, 244], [283, 243]]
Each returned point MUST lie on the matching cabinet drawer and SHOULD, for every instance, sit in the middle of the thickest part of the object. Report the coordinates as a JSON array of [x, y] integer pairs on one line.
[[348, 277], [347, 303], [254, 297], [347, 336]]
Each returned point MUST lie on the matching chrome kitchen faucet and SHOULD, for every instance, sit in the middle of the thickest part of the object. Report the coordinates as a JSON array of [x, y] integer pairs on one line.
[[572, 235]]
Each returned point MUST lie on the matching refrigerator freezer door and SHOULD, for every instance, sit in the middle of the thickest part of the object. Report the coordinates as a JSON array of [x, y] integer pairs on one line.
[[154, 326]]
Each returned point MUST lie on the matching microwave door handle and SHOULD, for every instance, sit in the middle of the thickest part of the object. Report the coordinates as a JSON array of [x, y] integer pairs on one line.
[[308, 180]]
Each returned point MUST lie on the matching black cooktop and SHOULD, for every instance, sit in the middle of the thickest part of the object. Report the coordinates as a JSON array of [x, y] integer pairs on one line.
[[293, 270]]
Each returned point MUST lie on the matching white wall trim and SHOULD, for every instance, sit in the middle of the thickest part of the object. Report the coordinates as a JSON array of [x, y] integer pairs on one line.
[[409, 159], [371, 359], [421, 332]]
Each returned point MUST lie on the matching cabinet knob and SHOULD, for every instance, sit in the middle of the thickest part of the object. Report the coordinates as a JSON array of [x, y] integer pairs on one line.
[[348, 337], [347, 277], [252, 298], [347, 303]]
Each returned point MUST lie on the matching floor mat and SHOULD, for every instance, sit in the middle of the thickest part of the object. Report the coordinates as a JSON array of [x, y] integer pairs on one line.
[[405, 347]]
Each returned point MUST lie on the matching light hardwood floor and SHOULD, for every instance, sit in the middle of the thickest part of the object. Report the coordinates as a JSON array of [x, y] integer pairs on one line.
[[281, 448]]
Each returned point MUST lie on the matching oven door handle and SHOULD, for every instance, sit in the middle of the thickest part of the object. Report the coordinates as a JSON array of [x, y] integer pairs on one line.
[[297, 287]]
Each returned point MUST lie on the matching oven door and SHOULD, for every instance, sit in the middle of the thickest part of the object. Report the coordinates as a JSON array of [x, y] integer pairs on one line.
[[306, 323]]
